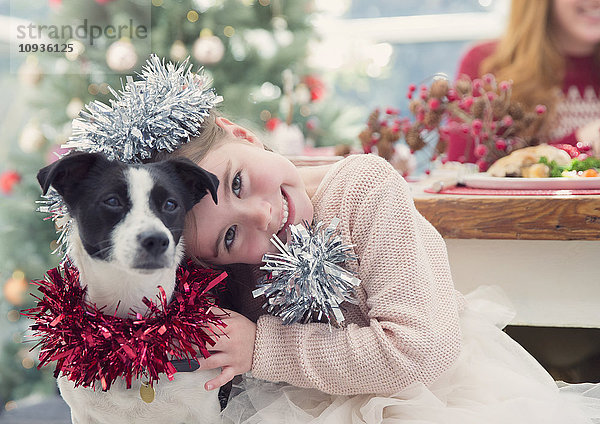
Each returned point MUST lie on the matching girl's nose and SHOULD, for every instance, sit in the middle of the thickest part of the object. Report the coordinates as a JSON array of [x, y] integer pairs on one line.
[[259, 214]]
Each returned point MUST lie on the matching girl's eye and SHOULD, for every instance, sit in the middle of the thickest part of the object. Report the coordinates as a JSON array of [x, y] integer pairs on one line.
[[236, 184], [170, 205], [229, 237], [113, 202]]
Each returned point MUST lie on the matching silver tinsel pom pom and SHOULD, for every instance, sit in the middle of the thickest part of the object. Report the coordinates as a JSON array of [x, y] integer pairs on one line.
[[157, 113], [306, 284]]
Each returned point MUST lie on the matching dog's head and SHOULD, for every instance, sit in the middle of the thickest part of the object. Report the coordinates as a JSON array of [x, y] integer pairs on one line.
[[129, 215]]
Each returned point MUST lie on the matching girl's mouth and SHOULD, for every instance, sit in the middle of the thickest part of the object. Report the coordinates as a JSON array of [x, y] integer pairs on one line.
[[287, 216]]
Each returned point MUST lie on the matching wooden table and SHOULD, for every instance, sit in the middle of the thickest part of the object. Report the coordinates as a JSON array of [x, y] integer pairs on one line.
[[543, 250]]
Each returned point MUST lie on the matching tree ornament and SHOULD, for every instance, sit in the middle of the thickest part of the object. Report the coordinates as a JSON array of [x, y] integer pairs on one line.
[[121, 56], [30, 72], [15, 288], [316, 87], [288, 139], [208, 49], [178, 51], [8, 180], [32, 138], [305, 283], [74, 107]]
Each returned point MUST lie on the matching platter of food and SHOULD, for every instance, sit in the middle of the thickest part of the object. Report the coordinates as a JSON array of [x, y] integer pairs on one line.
[[485, 181], [540, 167]]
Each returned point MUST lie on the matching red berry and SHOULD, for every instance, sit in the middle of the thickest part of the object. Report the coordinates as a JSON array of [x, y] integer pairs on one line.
[[272, 123], [540, 109], [507, 121], [434, 103], [481, 150], [504, 86], [8, 180], [489, 78], [466, 103], [452, 95], [483, 165], [412, 87], [427, 171], [477, 84], [501, 144], [476, 126]]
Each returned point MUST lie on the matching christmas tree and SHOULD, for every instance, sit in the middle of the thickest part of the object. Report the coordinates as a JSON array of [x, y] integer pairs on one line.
[[254, 50]]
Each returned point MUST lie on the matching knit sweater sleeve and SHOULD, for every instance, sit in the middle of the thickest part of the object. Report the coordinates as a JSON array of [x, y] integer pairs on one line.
[[471, 60], [410, 330]]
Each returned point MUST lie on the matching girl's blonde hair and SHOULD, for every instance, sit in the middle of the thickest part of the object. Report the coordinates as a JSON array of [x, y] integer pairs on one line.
[[528, 55], [197, 148]]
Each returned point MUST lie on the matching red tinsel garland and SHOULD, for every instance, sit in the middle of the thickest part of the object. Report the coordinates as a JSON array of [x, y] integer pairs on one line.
[[89, 345]]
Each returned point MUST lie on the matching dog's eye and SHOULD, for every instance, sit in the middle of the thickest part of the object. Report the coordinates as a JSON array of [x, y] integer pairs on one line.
[[170, 205], [113, 202]]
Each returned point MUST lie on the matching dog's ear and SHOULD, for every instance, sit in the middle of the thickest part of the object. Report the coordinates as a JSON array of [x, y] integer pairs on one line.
[[197, 179], [67, 171]]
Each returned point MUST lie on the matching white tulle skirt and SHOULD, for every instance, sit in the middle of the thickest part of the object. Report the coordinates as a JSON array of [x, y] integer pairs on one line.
[[493, 381]]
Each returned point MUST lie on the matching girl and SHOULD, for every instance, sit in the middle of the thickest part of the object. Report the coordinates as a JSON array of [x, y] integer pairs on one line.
[[413, 348], [551, 52]]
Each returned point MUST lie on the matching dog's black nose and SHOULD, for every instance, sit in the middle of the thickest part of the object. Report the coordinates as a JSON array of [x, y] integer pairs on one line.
[[153, 242]]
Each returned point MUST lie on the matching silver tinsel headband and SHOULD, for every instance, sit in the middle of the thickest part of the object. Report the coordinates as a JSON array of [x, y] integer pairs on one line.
[[158, 112]]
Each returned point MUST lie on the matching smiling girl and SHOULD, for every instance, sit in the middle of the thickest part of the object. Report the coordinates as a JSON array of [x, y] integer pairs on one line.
[[412, 349]]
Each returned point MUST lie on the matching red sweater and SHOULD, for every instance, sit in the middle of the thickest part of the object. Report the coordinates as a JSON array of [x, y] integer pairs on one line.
[[580, 102]]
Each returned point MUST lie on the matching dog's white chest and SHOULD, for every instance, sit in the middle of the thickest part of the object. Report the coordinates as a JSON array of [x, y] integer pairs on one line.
[[182, 400]]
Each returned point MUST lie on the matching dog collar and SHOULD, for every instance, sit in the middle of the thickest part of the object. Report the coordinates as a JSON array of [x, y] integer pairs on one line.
[[88, 345], [183, 365]]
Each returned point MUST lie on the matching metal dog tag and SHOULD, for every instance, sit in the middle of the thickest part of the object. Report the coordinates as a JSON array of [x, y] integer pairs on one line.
[[147, 392]]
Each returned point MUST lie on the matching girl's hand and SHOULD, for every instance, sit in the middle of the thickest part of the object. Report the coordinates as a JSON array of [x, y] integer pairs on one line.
[[233, 351]]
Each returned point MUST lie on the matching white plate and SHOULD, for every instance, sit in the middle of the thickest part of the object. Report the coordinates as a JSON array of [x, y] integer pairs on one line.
[[483, 180]]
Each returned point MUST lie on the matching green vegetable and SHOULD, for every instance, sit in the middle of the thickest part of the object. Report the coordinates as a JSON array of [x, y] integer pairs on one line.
[[556, 170]]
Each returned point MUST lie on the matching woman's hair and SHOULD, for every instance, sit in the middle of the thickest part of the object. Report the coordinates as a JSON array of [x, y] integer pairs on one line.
[[528, 55]]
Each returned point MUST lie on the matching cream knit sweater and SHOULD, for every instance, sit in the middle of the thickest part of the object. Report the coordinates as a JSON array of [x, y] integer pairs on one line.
[[406, 325]]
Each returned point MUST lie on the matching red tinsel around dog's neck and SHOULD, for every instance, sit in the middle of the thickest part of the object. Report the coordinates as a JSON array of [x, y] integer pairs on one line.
[[90, 346]]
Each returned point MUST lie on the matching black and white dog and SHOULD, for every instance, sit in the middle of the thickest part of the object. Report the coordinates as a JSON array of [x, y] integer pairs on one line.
[[126, 239]]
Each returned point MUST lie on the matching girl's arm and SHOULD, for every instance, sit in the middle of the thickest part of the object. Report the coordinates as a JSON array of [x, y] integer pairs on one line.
[[411, 332]]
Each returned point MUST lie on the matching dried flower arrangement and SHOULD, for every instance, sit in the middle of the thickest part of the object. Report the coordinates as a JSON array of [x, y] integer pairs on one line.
[[380, 138], [471, 121]]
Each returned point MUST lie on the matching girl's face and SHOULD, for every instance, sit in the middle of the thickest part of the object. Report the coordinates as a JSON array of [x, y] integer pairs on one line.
[[260, 194], [576, 24]]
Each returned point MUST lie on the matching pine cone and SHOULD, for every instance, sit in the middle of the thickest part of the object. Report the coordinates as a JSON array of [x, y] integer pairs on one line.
[[433, 118], [414, 139], [439, 88], [479, 106], [441, 146], [385, 149], [463, 86], [515, 110], [365, 137], [499, 108], [414, 106]]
